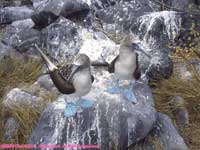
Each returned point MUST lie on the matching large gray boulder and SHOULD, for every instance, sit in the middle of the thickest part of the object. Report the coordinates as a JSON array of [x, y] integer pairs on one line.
[[19, 98], [8, 3], [164, 136], [112, 117], [168, 134], [10, 14], [182, 4], [65, 8], [21, 36], [62, 39], [52, 6], [122, 14], [111, 122], [25, 24], [154, 63], [156, 30]]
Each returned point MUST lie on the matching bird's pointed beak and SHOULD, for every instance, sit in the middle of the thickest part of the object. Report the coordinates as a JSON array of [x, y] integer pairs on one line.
[[50, 64], [74, 70], [136, 46]]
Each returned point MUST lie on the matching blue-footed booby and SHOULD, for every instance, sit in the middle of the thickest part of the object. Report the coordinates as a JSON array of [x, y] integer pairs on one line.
[[73, 78], [125, 67]]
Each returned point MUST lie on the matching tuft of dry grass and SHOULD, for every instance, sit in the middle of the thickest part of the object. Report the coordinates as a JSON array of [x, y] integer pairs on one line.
[[28, 117], [186, 52], [189, 90], [14, 73], [152, 141]]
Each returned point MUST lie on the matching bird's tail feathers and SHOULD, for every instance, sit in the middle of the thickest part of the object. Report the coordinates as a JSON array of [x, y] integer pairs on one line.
[[50, 64]]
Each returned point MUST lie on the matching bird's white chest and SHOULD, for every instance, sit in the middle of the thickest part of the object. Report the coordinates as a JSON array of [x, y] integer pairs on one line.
[[125, 66], [82, 82]]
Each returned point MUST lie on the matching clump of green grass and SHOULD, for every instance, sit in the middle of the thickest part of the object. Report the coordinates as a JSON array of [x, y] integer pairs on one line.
[[15, 73]]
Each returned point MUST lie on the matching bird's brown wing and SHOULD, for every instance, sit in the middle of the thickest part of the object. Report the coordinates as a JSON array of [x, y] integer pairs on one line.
[[62, 85], [65, 71], [137, 73], [111, 67]]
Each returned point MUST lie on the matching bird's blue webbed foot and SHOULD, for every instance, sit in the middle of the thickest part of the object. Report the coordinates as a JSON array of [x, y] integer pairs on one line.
[[70, 109], [129, 95], [115, 89], [85, 103]]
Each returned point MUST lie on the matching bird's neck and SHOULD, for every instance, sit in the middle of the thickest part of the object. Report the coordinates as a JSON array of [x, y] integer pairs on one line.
[[123, 55]]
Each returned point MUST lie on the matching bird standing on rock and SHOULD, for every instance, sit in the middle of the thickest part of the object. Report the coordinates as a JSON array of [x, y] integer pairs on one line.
[[73, 78], [125, 67]]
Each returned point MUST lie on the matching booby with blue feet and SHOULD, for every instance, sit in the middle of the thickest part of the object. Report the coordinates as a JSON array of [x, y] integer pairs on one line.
[[74, 79], [125, 67]]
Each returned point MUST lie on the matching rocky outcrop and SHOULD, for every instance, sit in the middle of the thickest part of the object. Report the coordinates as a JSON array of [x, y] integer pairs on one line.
[[62, 39], [22, 37], [11, 127], [164, 136], [112, 120], [168, 134], [8, 3], [10, 14], [17, 97]]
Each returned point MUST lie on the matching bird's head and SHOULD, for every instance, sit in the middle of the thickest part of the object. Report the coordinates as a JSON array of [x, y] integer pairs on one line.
[[82, 60], [129, 43]]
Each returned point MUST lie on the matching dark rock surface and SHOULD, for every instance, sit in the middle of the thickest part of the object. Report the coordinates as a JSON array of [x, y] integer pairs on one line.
[[160, 65], [181, 4], [10, 14], [65, 8], [11, 127], [190, 22], [123, 14], [8, 3], [43, 19], [21, 37]]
